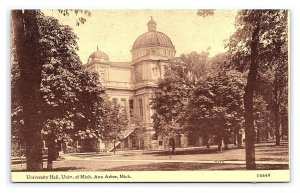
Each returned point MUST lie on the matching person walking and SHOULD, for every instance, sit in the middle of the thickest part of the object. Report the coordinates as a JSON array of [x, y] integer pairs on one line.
[[172, 144]]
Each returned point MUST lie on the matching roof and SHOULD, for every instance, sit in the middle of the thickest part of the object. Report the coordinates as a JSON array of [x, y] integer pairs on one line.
[[151, 39], [120, 64], [99, 55]]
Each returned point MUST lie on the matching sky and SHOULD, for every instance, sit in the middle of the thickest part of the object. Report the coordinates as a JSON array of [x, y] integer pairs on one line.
[[114, 31]]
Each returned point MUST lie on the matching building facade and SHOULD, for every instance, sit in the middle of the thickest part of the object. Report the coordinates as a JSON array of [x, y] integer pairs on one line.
[[132, 84]]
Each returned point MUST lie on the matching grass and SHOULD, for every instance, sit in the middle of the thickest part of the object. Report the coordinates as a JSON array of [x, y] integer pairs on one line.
[[193, 166]]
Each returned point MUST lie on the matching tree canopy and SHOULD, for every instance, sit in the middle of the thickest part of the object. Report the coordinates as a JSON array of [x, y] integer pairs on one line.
[[259, 44], [71, 100]]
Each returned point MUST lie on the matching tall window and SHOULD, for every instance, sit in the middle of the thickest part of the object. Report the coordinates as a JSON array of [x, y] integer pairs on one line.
[[102, 77], [141, 108], [123, 105], [131, 107]]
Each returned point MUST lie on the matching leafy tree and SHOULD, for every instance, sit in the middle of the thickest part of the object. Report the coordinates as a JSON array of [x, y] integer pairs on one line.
[[261, 117], [109, 125], [254, 46], [215, 107], [112, 121], [139, 128], [35, 53], [174, 90]]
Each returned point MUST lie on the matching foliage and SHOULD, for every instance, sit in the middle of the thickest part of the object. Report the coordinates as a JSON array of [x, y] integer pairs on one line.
[[110, 123], [216, 104], [258, 44], [271, 56], [174, 91], [271, 42], [27, 43], [69, 93], [199, 95], [78, 12], [72, 104]]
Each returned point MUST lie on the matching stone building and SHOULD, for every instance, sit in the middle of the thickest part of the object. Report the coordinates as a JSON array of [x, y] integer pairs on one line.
[[131, 84]]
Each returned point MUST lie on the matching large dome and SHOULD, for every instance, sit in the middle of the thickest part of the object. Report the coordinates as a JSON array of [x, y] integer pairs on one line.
[[151, 39], [153, 45]]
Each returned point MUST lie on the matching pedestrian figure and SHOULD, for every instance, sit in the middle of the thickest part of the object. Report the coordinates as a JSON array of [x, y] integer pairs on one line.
[[172, 144], [219, 139], [64, 146]]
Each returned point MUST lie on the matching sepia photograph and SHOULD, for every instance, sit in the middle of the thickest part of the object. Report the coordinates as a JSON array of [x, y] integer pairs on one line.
[[187, 95]]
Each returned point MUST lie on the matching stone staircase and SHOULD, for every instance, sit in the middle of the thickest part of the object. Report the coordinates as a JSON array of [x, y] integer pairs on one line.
[[125, 135]]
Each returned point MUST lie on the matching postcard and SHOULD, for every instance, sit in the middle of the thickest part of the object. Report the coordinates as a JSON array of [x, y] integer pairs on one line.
[[150, 95]]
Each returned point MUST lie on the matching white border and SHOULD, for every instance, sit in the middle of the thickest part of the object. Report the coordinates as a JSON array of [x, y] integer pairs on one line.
[[6, 5]]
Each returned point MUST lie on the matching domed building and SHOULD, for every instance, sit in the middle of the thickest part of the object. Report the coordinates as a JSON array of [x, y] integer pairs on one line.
[[98, 56], [132, 83], [153, 44]]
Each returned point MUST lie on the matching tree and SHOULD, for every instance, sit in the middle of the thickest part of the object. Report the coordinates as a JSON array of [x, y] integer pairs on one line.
[[113, 121], [29, 58], [215, 107], [174, 90], [110, 123], [261, 117], [252, 48], [26, 34], [69, 92]]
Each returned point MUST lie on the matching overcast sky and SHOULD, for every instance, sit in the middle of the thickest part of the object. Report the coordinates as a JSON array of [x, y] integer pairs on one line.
[[115, 31]]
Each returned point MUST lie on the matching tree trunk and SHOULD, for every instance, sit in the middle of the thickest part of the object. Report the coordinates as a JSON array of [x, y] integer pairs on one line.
[[26, 34], [51, 151], [277, 132], [248, 101], [219, 141], [207, 140], [276, 110], [220, 145], [266, 133], [226, 140], [114, 147]]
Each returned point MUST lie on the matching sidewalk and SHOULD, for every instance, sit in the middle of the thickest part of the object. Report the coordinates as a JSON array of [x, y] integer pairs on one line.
[[267, 156]]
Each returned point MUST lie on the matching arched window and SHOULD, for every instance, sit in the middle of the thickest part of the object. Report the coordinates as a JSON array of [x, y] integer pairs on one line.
[[102, 77]]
